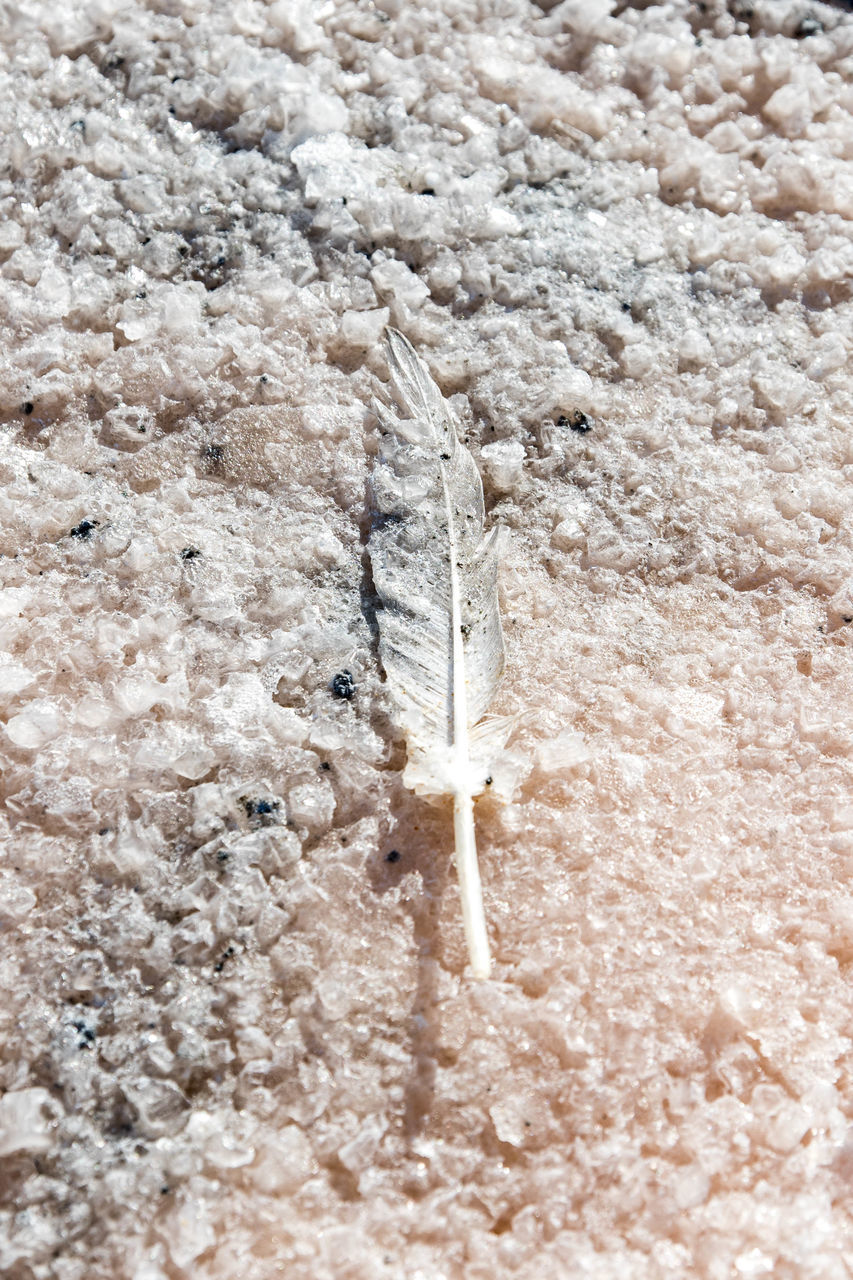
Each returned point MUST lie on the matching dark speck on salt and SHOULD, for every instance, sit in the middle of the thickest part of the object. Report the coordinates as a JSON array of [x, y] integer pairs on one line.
[[343, 685], [84, 528]]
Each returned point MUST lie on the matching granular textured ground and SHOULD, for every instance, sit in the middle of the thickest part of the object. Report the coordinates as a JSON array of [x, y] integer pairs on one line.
[[236, 1035]]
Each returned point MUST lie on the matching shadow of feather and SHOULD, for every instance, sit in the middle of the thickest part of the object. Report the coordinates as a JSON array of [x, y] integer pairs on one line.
[[418, 850]]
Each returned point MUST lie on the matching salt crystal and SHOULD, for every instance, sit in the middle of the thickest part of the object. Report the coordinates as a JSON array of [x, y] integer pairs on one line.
[[311, 805], [364, 328], [562, 754], [395, 280], [14, 676], [36, 724], [23, 1122], [190, 1232], [502, 462]]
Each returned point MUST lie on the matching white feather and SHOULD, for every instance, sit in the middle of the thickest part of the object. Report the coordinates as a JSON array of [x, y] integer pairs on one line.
[[439, 625]]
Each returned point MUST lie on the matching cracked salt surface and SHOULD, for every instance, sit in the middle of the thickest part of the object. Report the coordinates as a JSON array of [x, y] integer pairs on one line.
[[236, 1036]]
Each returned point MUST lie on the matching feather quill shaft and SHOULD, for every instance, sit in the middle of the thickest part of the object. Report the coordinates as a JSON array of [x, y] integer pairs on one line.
[[439, 625]]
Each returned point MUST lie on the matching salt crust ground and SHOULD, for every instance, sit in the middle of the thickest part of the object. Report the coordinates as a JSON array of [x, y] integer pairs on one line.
[[236, 1038]]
